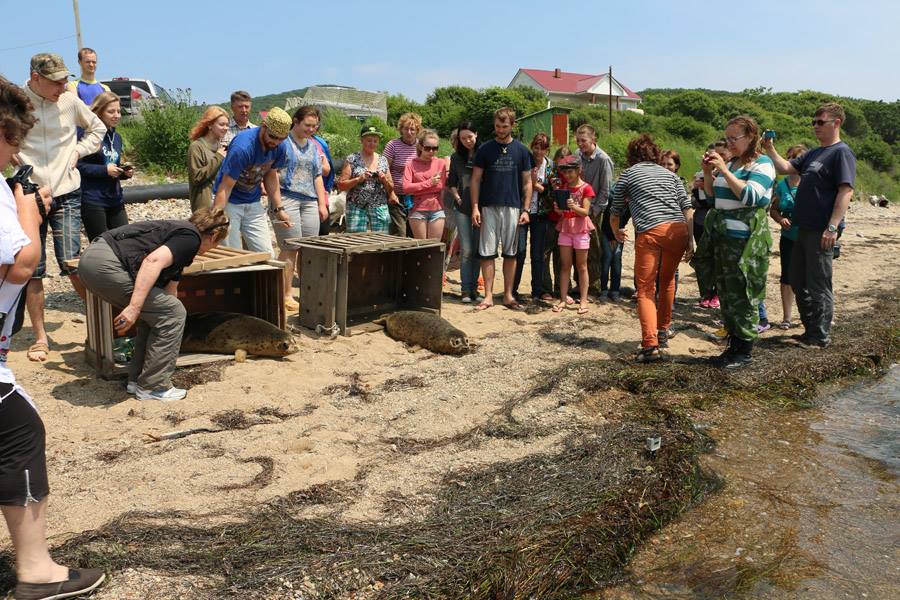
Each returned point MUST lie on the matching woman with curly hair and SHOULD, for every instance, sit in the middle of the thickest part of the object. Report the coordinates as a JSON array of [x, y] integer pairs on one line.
[[734, 251], [205, 155], [23, 465], [661, 211]]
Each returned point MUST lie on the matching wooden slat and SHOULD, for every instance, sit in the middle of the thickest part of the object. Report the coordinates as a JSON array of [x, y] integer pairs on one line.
[[237, 260]]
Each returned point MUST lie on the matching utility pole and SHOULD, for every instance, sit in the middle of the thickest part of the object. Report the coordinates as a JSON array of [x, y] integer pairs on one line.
[[610, 97], [77, 24]]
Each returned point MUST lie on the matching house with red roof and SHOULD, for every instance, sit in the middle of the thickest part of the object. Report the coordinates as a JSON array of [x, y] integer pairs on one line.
[[565, 88]]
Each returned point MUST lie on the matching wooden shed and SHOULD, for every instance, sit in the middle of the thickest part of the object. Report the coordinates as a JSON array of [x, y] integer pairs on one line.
[[553, 121]]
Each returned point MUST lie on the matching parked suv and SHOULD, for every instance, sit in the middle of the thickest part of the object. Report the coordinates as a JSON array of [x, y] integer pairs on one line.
[[132, 92]]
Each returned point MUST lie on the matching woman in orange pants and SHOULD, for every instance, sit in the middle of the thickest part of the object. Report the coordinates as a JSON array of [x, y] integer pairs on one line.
[[661, 211]]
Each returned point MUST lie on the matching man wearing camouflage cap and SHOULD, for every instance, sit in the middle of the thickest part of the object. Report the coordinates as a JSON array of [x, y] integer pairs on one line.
[[53, 149], [253, 157]]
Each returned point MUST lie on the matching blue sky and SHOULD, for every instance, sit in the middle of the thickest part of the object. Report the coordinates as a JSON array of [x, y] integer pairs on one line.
[[412, 47]]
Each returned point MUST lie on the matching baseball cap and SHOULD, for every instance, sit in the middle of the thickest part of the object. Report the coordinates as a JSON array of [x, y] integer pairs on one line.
[[568, 162], [369, 130], [278, 122], [50, 66]]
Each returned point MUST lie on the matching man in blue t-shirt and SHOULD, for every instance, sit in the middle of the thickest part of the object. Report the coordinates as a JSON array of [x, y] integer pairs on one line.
[[87, 87], [827, 175], [501, 194], [253, 157]]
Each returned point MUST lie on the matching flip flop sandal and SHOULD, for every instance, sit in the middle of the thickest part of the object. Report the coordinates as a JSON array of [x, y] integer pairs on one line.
[[583, 310], [483, 306], [558, 308], [513, 306], [38, 347]]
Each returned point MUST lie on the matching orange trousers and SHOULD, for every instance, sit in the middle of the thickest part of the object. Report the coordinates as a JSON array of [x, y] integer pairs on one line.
[[657, 251]]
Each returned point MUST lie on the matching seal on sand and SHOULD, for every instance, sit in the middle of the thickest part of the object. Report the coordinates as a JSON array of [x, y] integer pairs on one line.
[[425, 329], [224, 333]]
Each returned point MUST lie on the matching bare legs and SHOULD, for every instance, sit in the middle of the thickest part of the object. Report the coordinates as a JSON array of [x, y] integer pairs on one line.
[[787, 302], [28, 530]]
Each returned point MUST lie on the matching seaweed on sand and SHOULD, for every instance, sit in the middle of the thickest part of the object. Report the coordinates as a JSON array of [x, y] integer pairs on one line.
[[530, 528]]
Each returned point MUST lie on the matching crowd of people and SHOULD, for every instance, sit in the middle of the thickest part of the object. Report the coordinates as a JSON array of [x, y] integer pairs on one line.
[[498, 197]]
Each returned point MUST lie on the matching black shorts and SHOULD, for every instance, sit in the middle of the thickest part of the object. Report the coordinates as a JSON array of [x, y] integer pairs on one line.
[[23, 463]]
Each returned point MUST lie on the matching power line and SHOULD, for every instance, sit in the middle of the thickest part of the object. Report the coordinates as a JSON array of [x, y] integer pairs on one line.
[[68, 37]]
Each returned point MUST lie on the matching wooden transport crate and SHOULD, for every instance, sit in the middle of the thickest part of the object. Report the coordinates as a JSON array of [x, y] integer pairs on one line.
[[256, 290], [352, 278]]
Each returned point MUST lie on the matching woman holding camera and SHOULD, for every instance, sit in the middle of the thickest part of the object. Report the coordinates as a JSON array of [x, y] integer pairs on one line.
[[734, 251], [366, 179], [102, 206], [23, 466]]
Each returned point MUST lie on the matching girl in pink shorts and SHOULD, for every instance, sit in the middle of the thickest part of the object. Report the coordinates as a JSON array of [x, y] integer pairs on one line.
[[574, 227]]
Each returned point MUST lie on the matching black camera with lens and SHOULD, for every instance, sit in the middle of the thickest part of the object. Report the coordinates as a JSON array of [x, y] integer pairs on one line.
[[23, 178]]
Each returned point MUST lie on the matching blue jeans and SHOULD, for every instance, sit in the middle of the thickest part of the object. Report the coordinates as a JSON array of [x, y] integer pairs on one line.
[[763, 315], [611, 271], [65, 222], [539, 226], [469, 264]]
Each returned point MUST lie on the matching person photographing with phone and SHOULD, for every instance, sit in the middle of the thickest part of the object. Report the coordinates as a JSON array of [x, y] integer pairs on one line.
[[572, 204], [102, 205], [734, 251]]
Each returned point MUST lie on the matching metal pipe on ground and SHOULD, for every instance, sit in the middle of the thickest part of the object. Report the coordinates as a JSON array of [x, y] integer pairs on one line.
[[139, 194]]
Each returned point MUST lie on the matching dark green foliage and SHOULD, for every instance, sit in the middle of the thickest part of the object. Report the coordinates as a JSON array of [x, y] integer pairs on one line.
[[447, 106], [878, 152], [884, 118], [159, 136], [694, 104], [399, 104], [688, 129]]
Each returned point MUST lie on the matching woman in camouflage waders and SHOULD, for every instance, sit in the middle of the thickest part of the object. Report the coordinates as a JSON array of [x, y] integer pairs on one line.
[[734, 251]]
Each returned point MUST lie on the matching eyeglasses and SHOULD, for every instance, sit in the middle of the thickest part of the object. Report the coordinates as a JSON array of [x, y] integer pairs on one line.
[[820, 122], [431, 148], [733, 140]]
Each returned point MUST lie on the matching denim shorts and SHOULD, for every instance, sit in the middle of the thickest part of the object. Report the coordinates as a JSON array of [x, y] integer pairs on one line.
[[428, 215], [65, 221]]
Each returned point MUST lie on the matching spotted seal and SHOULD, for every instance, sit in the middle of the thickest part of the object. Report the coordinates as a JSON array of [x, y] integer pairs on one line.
[[225, 333], [425, 329]]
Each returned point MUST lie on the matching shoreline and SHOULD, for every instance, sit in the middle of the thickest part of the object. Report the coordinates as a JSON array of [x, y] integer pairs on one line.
[[372, 432]]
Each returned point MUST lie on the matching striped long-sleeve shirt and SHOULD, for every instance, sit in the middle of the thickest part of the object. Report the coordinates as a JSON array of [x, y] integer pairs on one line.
[[760, 177], [655, 194]]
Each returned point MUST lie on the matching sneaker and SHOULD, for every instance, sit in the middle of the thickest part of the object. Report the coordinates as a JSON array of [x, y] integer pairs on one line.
[[131, 387], [763, 326], [714, 302], [704, 303], [466, 298], [478, 297], [614, 296], [161, 395], [80, 582]]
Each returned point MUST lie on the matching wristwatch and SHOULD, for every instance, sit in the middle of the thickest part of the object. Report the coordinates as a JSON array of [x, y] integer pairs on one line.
[[276, 210], [832, 228]]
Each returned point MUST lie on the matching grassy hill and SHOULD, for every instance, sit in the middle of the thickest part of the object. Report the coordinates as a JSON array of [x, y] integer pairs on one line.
[[267, 101]]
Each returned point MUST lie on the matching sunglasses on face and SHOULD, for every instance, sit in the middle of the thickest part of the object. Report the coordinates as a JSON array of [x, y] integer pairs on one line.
[[820, 122], [431, 148]]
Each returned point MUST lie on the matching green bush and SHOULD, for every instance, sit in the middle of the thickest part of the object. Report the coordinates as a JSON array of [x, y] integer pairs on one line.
[[878, 152], [696, 105], [158, 137], [688, 129]]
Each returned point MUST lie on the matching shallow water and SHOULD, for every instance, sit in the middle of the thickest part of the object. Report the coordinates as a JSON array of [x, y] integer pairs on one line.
[[810, 507]]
